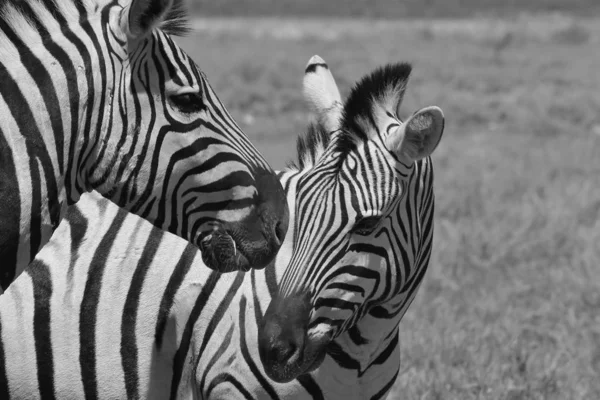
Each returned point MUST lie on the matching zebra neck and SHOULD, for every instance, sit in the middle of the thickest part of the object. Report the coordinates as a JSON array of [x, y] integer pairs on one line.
[[52, 65]]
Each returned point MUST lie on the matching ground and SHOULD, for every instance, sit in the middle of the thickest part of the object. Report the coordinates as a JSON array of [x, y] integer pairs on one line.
[[509, 306]]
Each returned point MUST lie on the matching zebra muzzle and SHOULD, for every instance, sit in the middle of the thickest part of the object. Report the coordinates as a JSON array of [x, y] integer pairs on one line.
[[220, 252]]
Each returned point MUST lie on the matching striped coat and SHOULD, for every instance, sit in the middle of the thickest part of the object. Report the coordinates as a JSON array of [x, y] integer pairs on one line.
[[96, 95], [170, 328]]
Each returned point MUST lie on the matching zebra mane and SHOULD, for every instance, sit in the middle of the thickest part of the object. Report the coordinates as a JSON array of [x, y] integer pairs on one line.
[[175, 23], [383, 88], [311, 146]]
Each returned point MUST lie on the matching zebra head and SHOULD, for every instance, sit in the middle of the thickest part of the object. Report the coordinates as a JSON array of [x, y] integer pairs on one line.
[[158, 141], [361, 222]]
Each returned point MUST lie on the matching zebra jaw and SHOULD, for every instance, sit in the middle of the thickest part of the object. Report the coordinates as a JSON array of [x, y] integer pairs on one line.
[[220, 253]]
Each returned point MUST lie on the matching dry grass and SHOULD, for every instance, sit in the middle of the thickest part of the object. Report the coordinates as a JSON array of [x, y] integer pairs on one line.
[[509, 308]]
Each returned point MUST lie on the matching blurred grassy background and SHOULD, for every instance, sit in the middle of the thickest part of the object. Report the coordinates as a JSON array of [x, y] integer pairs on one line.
[[509, 307], [391, 8]]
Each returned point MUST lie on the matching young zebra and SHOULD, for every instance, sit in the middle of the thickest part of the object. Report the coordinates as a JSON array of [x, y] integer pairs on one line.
[[168, 328], [94, 94], [362, 233]]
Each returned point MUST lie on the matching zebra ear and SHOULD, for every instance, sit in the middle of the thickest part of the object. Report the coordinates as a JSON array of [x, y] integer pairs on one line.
[[419, 135], [141, 17], [321, 94]]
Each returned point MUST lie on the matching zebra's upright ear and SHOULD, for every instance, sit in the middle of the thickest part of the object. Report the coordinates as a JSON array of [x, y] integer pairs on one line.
[[418, 136], [321, 94], [141, 17]]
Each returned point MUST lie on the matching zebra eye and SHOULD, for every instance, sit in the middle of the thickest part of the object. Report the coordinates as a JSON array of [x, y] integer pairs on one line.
[[188, 103], [366, 225]]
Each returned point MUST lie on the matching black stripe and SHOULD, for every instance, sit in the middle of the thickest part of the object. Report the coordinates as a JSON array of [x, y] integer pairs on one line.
[[52, 104], [79, 227], [4, 392], [381, 394], [224, 379], [42, 293], [212, 163], [142, 154], [343, 359], [311, 386], [271, 277], [246, 353], [335, 242], [172, 59], [313, 67], [71, 172], [89, 308], [36, 150], [217, 315], [356, 336], [152, 163], [224, 344], [389, 350], [129, 351], [10, 213], [186, 337], [175, 281], [144, 193], [100, 69]]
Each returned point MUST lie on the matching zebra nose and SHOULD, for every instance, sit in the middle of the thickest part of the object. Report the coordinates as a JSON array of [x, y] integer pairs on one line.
[[282, 333], [282, 351]]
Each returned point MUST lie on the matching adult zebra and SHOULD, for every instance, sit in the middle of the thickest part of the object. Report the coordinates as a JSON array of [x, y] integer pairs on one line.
[[169, 329], [94, 94]]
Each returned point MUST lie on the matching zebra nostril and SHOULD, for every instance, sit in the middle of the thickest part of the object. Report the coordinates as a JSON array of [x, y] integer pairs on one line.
[[280, 231], [282, 352]]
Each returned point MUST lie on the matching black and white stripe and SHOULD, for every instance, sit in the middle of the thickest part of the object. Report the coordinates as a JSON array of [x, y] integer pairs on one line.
[[363, 230], [170, 328], [97, 95]]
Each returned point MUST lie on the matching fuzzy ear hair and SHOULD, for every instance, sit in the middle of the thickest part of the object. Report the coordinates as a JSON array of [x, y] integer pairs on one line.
[[419, 135], [322, 94], [141, 17]]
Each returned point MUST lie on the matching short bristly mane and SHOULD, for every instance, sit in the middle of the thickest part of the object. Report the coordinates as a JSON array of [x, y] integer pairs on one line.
[[175, 23], [310, 146], [384, 88]]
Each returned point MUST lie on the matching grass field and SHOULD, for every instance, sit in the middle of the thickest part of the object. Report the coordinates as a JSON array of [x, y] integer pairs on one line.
[[391, 8], [510, 306]]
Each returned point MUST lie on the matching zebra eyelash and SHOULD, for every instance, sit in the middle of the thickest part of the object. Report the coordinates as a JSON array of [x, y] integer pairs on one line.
[[365, 226], [188, 103]]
